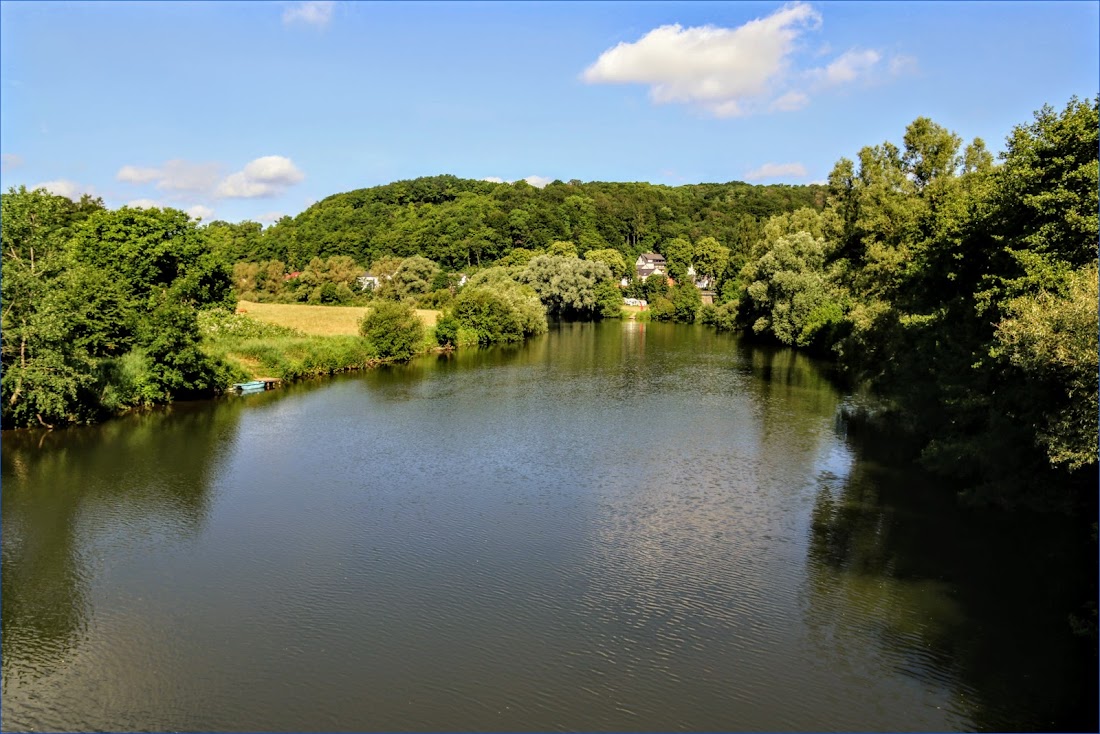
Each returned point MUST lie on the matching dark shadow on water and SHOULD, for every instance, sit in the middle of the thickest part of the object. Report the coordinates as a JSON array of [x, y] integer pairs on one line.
[[148, 474], [975, 599]]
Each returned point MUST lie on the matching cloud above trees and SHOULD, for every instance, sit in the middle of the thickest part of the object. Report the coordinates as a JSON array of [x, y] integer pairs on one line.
[[733, 72], [776, 170], [64, 187], [263, 177]]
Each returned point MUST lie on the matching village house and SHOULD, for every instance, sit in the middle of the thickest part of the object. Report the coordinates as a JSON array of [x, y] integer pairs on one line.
[[367, 281], [650, 263], [702, 282]]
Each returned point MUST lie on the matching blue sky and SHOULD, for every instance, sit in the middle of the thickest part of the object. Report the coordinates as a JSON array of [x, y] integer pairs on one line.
[[253, 110]]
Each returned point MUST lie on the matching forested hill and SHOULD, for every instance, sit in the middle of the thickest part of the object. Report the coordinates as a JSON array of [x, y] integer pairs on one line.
[[462, 222]]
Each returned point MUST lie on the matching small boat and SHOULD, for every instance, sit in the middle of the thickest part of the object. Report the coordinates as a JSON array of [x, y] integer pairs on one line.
[[253, 386]]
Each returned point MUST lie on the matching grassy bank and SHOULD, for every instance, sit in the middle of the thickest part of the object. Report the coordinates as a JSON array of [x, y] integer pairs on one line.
[[317, 320], [291, 342]]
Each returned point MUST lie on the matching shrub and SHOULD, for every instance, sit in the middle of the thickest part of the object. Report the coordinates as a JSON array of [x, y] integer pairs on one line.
[[446, 331], [722, 317], [392, 330]]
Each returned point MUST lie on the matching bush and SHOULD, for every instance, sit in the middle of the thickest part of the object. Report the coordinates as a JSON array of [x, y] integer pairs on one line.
[[489, 314], [681, 306], [446, 331], [392, 330], [722, 317]]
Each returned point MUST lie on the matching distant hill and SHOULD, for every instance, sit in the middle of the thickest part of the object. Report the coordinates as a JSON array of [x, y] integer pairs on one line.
[[464, 222]]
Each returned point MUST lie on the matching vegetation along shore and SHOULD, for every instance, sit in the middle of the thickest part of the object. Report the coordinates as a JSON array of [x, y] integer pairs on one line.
[[961, 291]]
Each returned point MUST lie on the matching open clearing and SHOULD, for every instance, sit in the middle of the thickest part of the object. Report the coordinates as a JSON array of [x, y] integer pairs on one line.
[[318, 320]]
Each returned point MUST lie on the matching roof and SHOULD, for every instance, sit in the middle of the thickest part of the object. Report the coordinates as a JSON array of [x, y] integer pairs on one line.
[[652, 256]]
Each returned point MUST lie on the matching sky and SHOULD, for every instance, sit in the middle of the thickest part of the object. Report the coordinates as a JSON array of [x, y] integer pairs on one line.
[[254, 110]]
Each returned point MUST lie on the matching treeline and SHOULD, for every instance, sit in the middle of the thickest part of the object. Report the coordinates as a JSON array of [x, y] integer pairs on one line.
[[100, 309], [962, 291], [462, 224]]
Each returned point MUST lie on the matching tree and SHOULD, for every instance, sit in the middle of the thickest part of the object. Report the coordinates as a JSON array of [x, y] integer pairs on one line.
[[789, 295], [930, 151], [392, 330], [710, 257], [413, 278], [679, 254], [612, 258], [568, 287]]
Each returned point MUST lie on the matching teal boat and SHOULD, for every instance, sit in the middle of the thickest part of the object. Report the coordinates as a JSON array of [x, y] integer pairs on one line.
[[253, 386]]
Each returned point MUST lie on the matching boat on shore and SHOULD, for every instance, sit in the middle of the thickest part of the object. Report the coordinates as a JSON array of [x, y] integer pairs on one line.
[[263, 383]]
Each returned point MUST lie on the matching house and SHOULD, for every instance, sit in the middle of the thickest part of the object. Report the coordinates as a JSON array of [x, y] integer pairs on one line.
[[650, 263], [367, 281], [702, 282]]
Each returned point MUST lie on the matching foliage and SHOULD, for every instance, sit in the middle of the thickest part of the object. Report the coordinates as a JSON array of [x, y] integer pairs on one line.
[[463, 223], [217, 323], [1052, 339], [392, 330], [613, 259], [722, 316], [789, 294], [499, 309], [446, 330], [682, 305], [414, 277], [571, 288], [99, 308], [965, 293]]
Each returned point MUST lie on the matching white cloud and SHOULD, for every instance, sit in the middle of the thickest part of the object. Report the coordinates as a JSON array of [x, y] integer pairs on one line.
[[313, 12], [789, 102], [721, 69], [66, 188], [135, 175], [539, 182], [180, 175], [264, 177], [493, 179], [200, 212], [270, 217], [174, 175], [777, 170], [10, 160], [144, 204], [847, 67], [734, 72]]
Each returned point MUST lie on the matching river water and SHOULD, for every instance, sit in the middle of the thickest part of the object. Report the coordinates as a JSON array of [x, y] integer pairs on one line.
[[615, 526]]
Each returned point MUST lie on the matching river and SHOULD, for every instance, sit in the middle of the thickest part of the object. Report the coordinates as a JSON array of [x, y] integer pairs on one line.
[[614, 526]]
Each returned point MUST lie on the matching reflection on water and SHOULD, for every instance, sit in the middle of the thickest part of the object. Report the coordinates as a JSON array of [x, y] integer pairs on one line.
[[973, 603], [635, 526]]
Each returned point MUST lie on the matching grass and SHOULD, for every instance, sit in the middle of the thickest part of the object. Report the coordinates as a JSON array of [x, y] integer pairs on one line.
[[318, 320], [292, 341]]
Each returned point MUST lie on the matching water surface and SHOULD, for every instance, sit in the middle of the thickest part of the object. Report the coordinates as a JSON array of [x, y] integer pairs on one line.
[[616, 526]]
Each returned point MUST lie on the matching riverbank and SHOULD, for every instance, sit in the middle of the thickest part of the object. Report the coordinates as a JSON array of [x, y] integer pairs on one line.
[[291, 342]]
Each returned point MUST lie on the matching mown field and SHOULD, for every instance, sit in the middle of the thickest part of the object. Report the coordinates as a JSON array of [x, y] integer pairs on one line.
[[318, 320], [291, 341]]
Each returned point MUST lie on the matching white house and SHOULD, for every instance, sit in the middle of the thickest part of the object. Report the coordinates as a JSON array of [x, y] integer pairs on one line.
[[650, 263], [701, 282], [367, 281]]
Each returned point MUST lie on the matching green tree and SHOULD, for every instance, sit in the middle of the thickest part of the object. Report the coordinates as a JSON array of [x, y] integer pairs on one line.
[[710, 257], [392, 330], [612, 258], [569, 287]]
